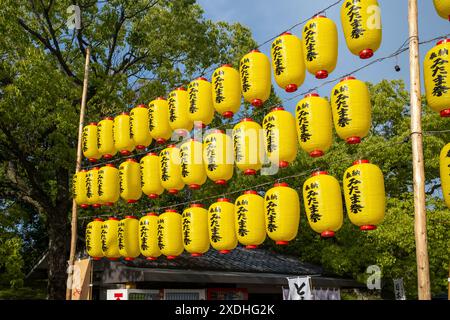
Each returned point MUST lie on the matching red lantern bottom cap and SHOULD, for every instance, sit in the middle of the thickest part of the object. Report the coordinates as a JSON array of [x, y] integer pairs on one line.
[[131, 201], [322, 74], [353, 140], [194, 186], [173, 191], [113, 259], [257, 103], [283, 164], [96, 206], [366, 54], [367, 227], [153, 196], [140, 147], [250, 172], [291, 88], [107, 156], [445, 113], [93, 160], [200, 125], [224, 251], [316, 153], [125, 152], [97, 258], [282, 243], [151, 258], [129, 259], [251, 246], [160, 140], [84, 206], [171, 257], [228, 114], [221, 182], [196, 254], [327, 234], [109, 204]]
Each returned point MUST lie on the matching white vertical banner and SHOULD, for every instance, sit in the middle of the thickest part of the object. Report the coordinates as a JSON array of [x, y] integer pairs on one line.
[[300, 288], [399, 289]]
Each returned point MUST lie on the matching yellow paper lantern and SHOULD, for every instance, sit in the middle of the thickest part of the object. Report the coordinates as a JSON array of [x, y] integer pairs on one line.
[[364, 194], [248, 145], [226, 90], [218, 157], [158, 113], [323, 203], [123, 140], [130, 181], [108, 184], [90, 146], [352, 109], [179, 120], [314, 125], [93, 197], [222, 231], [105, 138], [201, 109], [280, 137], [249, 219], [128, 238], [255, 78], [140, 131], [150, 180], [442, 8], [93, 239], [445, 173], [287, 62], [361, 22], [320, 46], [169, 236], [195, 230], [110, 240], [192, 168], [437, 77], [282, 210], [79, 189], [148, 236], [170, 169]]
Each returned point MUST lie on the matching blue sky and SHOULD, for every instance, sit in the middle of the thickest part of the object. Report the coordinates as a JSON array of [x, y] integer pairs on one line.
[[267, 18]]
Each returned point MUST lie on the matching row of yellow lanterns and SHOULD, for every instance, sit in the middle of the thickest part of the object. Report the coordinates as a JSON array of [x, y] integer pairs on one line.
[[247, 221]]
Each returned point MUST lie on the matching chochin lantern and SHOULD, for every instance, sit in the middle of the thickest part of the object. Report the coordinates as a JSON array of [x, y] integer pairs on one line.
[[442, 8], [287, 62], [218, 157], [323, 203], [361, 22], [314, 125], [192, 168], [90, 147], [130, 181], [179, 120], [320, 46], [255, 77], [93, 239], [110, 241], [123, 140], [445, 173], [352, 114], [158, 113], [105, 138], [79, 189], [280, 137], [108, 184], [150, 180], [170, 169], [248, 146], [140, 132], [92, 188], [128, 238], [437, 77], [195, 230], [282, 210], [226, 90], [364, 194], [222, 231], [169, 234], [249, 219], [201, 110], [148, 236]]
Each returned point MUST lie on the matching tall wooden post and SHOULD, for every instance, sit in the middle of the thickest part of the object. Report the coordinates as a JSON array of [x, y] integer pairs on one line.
[[74, 223], [420, 226]]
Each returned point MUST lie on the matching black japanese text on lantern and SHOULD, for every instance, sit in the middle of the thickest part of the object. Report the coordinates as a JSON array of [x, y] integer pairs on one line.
[[242, 217], [184, 155], [278, 56], [88, 237], [141, 165], [342, 106], [151, 111], [245, 66], [159, 233], [439, 73], [103, 234], [211, 145], [238, 150], [310, 41], [312, 202], [302, 120], [132, 115], [214, 224], [165, 165], [74, 184], [271, 135], [353, 185], [144, 234], [354, 16], [187, 228], [121, 235], [172, 113], [218, 85], [85, 134], [89, 181], [193, 97], [99, 133], [101, 176], [121, 178], [271, 212]]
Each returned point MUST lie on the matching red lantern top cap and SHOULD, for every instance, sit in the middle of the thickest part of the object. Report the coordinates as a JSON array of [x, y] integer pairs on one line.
[[247, 120], [171, 146], [196, 205], [108, 118], [152, 214], [130, 217], [92, 123], [286, 33], [141, 106], [280, 184], [95, 168], [255, 50], [131, 160], [152, 154], [223, 200], [113, 218], [319, 16], [83, 170], [202, 78], [348, 78], [317, 173], [171, 210], [361, 161], [443, 41], [250, 192], [313, 94], [181, 89], [226, 65], [279, 108], [160, 98], [125, 113], [110, 165], [217, 131], [98, 219]]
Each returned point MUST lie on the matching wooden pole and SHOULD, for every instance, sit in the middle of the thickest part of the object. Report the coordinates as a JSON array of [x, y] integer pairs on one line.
[[420, 226], [74, 223]]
